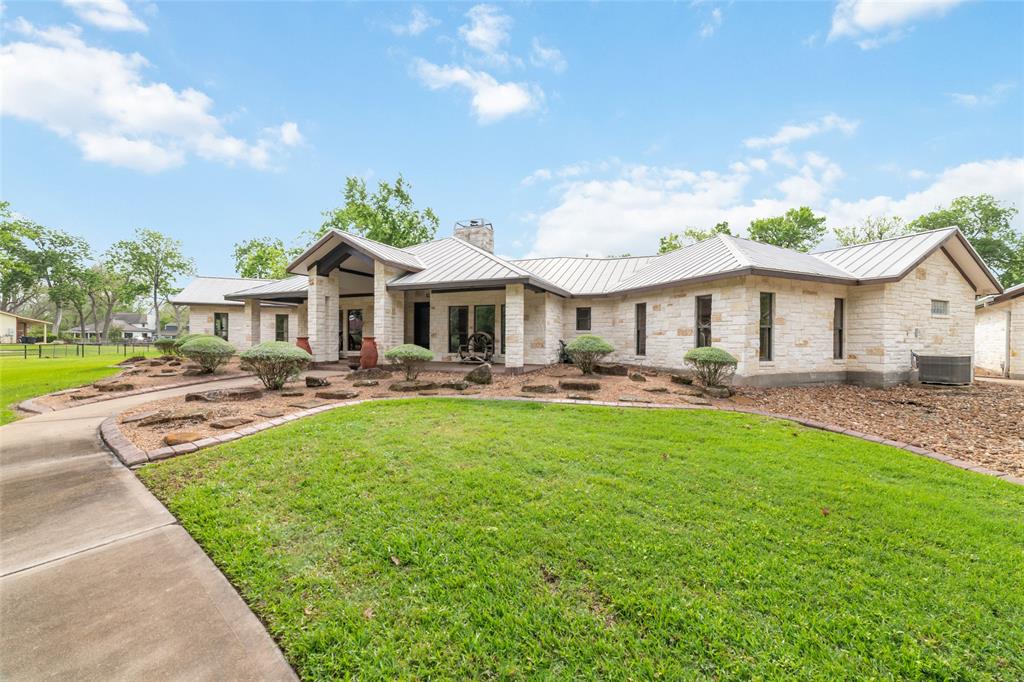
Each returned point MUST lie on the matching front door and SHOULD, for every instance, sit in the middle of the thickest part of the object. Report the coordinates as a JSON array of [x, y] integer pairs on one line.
[[421, 324]]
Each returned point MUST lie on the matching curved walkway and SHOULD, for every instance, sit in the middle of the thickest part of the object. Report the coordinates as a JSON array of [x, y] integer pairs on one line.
[[97, 579]]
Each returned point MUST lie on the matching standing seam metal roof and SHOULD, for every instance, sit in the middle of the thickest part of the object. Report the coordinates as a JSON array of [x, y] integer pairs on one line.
[[888, 258]]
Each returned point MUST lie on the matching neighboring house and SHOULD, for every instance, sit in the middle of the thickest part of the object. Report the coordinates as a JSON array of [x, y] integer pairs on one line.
[[133, 326], [852, 314], [999, 333], [14, 327]]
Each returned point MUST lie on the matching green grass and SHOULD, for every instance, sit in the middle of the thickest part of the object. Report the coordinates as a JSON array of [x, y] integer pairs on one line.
[[555, 541], [21, 378]]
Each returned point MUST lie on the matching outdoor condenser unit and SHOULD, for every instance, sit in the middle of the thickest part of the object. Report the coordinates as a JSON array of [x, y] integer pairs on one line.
[[944, 369]]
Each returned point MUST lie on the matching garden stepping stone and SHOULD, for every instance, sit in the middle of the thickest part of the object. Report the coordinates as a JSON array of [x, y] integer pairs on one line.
[[130, 419], [225, 395], [270, 413], [412, 386], [538, 388], [316, 382], [365, 383], [637, 376], [682, 379], [163, 417], [230, 422], [579, 396], [718, 391], [337, 394], [634, 399], [454, 385], [307, 405], [612, 370], [292, 394], [480, 375], [579, 385], [656, 389], [182, 437]]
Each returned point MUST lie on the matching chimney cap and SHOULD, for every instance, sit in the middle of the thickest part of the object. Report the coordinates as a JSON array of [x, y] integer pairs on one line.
[[474, 222]]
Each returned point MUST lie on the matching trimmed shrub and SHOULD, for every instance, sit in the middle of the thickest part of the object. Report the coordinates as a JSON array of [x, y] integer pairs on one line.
[[165, 345], [713, 366], [411, 357], [209, 351], [587, 350], [182, 340], [275, 362]]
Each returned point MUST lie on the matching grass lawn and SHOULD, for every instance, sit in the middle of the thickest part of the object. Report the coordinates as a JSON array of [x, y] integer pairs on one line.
[[21, 379], [471, 540]]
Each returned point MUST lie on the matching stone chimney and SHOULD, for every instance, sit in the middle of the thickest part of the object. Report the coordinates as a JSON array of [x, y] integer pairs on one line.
[[477, 232]]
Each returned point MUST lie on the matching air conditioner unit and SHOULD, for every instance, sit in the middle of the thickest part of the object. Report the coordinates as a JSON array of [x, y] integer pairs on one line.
[[944, 369]]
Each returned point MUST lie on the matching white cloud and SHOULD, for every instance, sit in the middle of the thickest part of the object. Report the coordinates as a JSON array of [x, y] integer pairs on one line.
[[547, 57], [793, 133], [491, 99], [866, 19], [758, 164], [100, 99], [916, 174], [993, 95], [289, 134], [712, 23], [113, 15], [419, 21], [488, 32]]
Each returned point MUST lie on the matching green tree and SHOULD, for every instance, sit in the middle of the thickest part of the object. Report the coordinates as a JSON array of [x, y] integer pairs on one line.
[[798, 229], [152, 262], [59, 259], [673, 240], [871, 229], [19, 278], [111, 291], [986, 223], [388, 215], [265, 258]]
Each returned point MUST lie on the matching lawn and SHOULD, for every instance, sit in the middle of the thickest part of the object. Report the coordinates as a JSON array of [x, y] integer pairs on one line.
[[471, 540], [26, 378]]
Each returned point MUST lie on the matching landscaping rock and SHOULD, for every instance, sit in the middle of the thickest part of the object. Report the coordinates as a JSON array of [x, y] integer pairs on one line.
[[413, 386], [695, 400], [718, 391], [113, 386], [132, 360], [167, 370], [369, 373], [166, 417], [192, 371], [612, 370], [225, 395], [174, 363], [579, 385], [182, 437], [689, 390], [637, 376], [83, 395], [155, 362], [130, 419], [316, 382], [538, 388], [454, 385], [230, 422], [428, 393], [270, 413], [337, 394], [682, 379], [480, 375], [365, 383], [579, 396], [167, 358], [634, 399], [307, 405], [656, 389], [292, 394]]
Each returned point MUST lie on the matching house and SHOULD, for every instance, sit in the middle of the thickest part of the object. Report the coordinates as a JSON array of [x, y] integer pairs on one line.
[[852, 314], [14, 327], [999, 333], [133, 326]]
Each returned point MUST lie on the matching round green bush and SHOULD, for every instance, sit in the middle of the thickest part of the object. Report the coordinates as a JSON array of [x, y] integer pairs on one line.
[[209, 351], [713, 366], [275, 362], [411, 357], [165, 345], [182, 340], [587, 350]]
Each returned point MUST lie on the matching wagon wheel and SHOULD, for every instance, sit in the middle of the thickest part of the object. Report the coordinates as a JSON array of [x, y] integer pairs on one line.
[[479, 348]]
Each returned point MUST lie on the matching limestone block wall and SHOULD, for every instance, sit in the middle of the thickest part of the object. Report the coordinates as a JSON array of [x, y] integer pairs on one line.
[[388, 309], [990, 328], [347, 303], [1017, 338], [200, 321], [514, 331], [441, 301]]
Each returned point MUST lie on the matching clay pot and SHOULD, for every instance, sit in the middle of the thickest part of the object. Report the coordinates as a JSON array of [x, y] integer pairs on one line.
[[368, 354], [303, 343]]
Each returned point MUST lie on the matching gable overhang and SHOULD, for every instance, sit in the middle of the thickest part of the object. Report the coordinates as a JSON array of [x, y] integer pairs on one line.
[[1008, 295], [964, 258], [334, 249]]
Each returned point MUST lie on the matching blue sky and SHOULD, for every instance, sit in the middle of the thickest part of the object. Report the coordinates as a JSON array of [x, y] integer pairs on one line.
[[575, 127]]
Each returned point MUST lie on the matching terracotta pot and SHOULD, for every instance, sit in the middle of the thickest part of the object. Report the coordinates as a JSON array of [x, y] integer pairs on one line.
[[303, 343], [368, 354]]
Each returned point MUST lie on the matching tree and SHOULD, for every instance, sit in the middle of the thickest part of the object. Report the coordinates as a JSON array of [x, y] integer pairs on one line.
[[673, 241], [871, 229], [59, 259], [152, 261], [19, 278], [112, 289], [386, 216], [798, 229], [265, 258], [986, 224]]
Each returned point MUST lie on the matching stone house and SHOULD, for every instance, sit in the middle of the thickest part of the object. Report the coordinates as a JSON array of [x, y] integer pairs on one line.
[[852, 314], [999, 334]]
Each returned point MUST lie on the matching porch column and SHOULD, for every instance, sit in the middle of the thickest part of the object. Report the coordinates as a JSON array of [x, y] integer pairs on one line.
[[302, 320], [388, 310], [252, 318], [322, 305], [514, 328]]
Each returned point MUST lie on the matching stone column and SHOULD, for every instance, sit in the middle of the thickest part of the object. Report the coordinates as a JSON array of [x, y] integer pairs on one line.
[[388, 310], [302, 320], [514, 328], [322, 305], [252, 320]]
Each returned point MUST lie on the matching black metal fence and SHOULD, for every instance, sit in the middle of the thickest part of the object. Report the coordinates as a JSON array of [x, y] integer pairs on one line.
[[71, 350]]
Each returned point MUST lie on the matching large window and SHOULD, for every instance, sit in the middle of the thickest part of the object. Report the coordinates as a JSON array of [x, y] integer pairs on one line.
[[703, 315], [280, 327], [641, 329], [766, 324], [354, 337], [220, 325], [838, 328], [458, 327], [583, 319], [483, 319]]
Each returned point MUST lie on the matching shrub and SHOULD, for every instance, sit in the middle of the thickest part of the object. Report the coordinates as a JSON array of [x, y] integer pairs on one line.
[[209, 351], [411, 357], [182, 340], [275, 362], [713, 366], [165, 346], [587, 350]]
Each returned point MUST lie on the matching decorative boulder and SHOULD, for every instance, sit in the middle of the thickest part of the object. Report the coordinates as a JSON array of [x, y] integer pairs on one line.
[[454, 385], [538, 388], [181, 437], [579, 385], [579, 396], [637, 376], [611, 370], [682, 379], [166, 417], [480, 375], [337, 394], [412, 386], [225, 395], [230, 422], [317, 382], [365, 383], [113, 386], [370, 373], [720, 392]]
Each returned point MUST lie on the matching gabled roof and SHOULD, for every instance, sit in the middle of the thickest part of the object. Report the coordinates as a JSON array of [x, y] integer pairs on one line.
[[276, 288], [211, 290], [585, 276], [1013, 292], [385, 253]]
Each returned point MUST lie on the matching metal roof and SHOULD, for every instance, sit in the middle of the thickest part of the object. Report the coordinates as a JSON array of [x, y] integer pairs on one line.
[[385, 253], [211, 290], [713, 257], [277, 287], [765, 257], [887, 258], [585, 276], [1008, 294]]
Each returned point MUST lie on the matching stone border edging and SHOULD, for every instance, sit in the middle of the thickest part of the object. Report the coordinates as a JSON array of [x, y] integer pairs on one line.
[[134, 457]]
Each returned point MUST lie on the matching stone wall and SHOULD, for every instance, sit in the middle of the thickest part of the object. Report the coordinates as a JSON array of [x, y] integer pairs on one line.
[[990, 331], [441, 301], [200, 321]]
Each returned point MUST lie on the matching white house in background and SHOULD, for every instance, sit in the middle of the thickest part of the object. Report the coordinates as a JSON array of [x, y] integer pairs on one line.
[[853, 314], [133, 326], [999, 333]]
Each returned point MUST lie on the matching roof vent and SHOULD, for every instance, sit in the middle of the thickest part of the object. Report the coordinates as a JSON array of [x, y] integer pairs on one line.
[[477, 232]]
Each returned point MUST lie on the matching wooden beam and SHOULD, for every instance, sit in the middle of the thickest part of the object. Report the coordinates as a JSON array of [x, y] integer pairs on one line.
[[332, 260]]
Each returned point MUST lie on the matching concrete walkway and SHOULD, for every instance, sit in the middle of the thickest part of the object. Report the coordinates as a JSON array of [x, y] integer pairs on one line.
[[97, 580]]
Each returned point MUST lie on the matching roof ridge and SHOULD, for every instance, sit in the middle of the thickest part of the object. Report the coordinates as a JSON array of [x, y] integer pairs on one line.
[[887, 239], [737, 254], [508, 263], [519, 260]]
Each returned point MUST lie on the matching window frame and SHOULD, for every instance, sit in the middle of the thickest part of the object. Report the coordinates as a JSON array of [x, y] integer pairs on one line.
[[766, 323], [279, 328], [461, 334], [839, 329], [640, 330], [502, 351], [584, 310], [944, 306], [224, 326], [702, 330], [349, 345]]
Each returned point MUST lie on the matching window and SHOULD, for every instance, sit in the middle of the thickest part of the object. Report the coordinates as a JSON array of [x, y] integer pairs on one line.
[[354, 337], [940, 307], [703, 315], [641, 329], [502, 349], [483, 319], [458, 327], [767, 323], [838, 324], [220, 325], [583, 319], [280, 327]]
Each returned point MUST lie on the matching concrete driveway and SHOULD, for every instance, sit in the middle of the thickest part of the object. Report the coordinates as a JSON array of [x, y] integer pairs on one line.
[[97, 580]]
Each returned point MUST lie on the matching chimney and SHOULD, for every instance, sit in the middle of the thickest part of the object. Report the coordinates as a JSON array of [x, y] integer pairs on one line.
[[477, 232]]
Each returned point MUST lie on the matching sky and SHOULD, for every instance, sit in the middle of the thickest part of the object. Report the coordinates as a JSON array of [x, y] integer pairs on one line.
[[575, 128]]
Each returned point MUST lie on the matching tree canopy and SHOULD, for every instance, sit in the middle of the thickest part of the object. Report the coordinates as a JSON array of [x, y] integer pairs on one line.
[[673, 240], [871, 229], [798, 228], [152, 261], [388, 215], [263, 258]]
